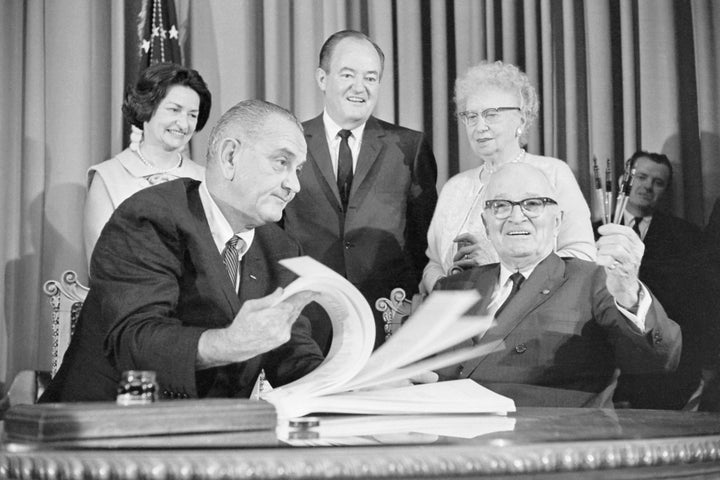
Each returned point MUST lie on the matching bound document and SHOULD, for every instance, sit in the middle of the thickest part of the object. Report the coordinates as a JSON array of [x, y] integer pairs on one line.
[[354, 379]]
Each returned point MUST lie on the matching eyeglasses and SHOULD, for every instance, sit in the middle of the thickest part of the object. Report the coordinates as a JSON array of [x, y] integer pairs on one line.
[[531, 207], [490, 115]]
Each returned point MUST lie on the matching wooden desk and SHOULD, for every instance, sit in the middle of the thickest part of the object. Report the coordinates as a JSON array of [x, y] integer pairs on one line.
[[548, 443]]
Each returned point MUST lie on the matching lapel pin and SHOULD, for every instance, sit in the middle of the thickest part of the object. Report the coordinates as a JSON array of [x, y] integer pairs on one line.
[[253, 276], [545, 292]]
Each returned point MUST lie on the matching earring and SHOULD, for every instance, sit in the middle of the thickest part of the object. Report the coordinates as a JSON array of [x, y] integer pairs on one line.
[[136, 136], [518, 131]]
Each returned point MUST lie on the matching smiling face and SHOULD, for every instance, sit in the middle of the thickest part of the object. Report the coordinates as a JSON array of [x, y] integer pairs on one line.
[[519, 240], [174, 121], [649, 184], [264, 171], [489, 142], [352, 83]]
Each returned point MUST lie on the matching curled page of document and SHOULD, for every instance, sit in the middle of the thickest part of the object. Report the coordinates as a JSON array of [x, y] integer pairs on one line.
[[432, 363], [435, 326], [353, 328]]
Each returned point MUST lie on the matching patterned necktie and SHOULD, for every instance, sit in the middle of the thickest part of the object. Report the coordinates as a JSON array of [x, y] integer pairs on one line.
[[345, 170], [517, 279], [231, 257], [636, 226]]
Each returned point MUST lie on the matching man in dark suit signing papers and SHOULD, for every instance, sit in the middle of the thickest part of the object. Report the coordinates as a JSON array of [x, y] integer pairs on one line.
[[166, 293], [368, 190], [567, 325]]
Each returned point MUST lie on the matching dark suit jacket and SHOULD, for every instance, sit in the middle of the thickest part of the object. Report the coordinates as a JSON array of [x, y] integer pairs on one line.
[[157, 282], [712, 229], [380, 243], [676, 267], [563, 337]]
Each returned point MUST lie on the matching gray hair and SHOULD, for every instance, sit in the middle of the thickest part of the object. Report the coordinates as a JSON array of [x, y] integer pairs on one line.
[[245, 121], [504, 76]]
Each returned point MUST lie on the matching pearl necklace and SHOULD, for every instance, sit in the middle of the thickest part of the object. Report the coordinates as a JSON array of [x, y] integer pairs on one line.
[[519, 156], [489, 170], [151, 165]]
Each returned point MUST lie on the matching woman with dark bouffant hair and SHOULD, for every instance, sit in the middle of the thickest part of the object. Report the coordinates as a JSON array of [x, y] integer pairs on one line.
[[167, 105]]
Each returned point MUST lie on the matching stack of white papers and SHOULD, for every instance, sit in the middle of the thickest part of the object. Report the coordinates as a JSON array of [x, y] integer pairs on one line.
[[354, 379]]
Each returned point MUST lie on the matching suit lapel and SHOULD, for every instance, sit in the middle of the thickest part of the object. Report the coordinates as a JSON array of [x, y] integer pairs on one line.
[[547, 277], [369, 152], [321, 163], [209, 256], [254, 274], [485, 283], [319, 158], [655, 231]]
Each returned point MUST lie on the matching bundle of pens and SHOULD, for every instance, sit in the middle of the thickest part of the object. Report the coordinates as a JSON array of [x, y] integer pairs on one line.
[[604, 196]]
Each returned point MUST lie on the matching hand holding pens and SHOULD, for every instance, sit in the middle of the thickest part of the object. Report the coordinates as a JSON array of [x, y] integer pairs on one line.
[[607, 204], [599, 193], [605, 197], [624, 194]]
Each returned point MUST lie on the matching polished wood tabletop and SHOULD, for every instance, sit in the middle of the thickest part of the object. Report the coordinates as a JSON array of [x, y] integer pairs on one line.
[[544, 443]]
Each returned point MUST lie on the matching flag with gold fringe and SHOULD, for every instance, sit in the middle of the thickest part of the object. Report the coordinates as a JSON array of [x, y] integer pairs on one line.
[[158, 35]]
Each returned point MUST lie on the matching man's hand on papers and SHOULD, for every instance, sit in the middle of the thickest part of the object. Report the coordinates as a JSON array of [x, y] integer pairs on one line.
[[425, 377], [260, 325]]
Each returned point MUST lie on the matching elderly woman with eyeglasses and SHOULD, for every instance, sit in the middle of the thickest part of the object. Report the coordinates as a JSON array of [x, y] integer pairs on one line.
[[497, 105]]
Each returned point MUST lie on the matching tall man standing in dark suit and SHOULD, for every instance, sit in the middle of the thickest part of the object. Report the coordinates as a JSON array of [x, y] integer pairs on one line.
[[675, 267], [166, 293], [368, 191], [566, 326]]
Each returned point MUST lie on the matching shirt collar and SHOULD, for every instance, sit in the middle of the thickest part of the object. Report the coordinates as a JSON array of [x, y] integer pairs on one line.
[[506, 272], [628, 218], [219, 226], [332, 129]]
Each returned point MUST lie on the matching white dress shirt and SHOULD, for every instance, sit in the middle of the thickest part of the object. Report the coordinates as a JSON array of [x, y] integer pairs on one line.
[[220, 228], [629, 220], [504, 286], [333, 140]]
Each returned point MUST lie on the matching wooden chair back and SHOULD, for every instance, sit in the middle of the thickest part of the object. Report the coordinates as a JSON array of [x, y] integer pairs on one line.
[[396, 309], [66, 299]]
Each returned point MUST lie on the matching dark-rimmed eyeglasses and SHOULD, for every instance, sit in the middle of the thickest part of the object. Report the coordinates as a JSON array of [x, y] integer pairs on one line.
[[531, 207], [490, 115]]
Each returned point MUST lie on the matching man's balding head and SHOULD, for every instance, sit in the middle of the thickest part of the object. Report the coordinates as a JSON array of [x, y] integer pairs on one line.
[[254, 156], [528, 233]]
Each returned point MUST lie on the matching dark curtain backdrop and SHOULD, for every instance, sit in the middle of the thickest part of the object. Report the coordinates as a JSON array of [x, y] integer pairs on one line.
[[613, 76]]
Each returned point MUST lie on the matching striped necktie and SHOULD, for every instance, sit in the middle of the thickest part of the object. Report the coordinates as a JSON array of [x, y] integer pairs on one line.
[[231, 258]]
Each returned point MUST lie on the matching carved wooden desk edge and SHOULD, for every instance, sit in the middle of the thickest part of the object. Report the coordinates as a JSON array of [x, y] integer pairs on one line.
[[390, 461]]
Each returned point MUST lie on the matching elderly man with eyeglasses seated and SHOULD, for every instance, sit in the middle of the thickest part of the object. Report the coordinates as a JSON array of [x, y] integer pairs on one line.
[[568, 326]]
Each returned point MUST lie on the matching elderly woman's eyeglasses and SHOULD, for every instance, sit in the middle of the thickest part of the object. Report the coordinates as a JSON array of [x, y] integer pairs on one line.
[[531, 207], [490, 115]]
